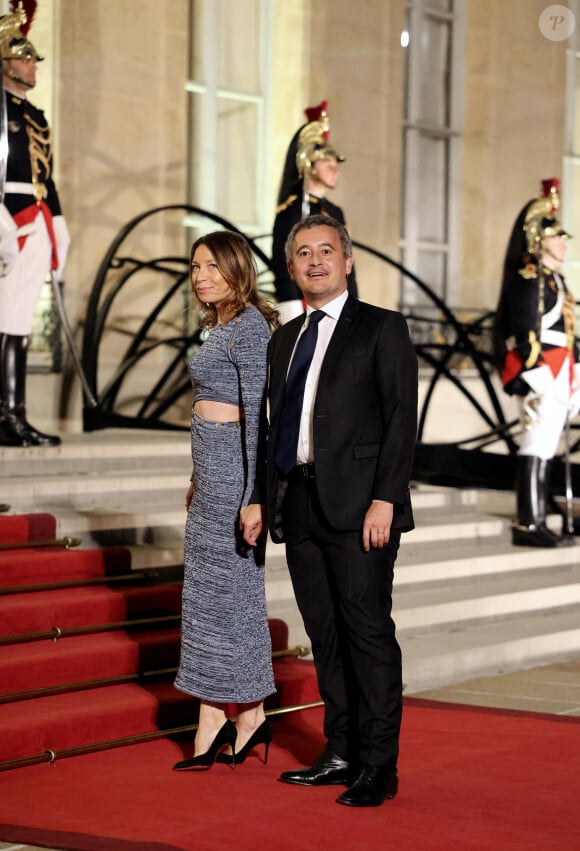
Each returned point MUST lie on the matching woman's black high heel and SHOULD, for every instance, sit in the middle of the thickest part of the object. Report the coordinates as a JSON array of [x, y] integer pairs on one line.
[[225, 736], [261, 736]]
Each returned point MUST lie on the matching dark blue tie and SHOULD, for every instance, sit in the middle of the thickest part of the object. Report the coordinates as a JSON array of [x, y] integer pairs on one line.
[[289, 426]]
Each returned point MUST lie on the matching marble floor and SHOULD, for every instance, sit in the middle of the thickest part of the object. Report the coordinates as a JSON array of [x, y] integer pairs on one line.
[[550, 688]]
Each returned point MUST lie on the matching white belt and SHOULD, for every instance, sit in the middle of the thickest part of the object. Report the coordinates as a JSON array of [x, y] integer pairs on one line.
[[554, 338], [16, 188]]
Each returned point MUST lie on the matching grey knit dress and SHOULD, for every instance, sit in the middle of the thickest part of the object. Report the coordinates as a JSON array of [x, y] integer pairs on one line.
[[226, 653]]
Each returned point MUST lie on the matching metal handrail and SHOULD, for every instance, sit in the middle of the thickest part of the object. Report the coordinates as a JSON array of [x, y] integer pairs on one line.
[[56, 632], [67, 543], [49, 756], [298, 652], [81, 582]]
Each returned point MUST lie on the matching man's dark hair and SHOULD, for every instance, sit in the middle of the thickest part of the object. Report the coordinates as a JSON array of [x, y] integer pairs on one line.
[[319, 220]]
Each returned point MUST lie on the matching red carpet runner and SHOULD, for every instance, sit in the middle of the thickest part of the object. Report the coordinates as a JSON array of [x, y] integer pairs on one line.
[[117, 633], [470, 779]]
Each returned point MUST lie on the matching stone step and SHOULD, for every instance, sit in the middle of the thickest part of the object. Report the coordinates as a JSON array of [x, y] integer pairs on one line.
[[422, 563], [462, 524], [123, 526], [433, 659], [114, 449], [466, 601], [489, 598], [115, 489]]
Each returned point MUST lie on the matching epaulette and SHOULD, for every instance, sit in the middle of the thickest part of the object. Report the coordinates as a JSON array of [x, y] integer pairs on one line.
[[289, 200], [529, 271]]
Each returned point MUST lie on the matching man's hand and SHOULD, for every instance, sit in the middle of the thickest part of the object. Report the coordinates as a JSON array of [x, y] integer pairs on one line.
[[252, 522], [377, 525]]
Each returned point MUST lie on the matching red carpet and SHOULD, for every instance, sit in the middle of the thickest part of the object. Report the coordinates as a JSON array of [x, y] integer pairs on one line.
[[470, 779], [16, 528]]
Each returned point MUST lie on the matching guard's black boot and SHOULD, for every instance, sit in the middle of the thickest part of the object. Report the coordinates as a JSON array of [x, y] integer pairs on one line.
[[14, 428], [12, 431], [531, 489]]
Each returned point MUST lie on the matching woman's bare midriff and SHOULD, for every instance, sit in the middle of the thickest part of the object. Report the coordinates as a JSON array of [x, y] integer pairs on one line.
[[219, 412]]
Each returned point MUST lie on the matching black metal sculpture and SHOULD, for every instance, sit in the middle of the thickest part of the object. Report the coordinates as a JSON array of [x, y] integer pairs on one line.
[[485, 459]]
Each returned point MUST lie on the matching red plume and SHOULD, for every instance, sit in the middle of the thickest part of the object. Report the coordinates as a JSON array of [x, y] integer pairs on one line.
[[551, 188], [29, 8], [313, 113]]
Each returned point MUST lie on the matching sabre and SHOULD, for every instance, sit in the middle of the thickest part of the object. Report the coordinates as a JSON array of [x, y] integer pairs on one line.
[[568, 473], [70, 339]]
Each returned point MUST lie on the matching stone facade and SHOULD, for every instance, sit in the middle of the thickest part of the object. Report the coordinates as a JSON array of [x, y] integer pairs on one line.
[[113, 86]]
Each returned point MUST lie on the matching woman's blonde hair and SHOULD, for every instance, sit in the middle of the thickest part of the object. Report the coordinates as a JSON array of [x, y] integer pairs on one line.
[[236, 264]]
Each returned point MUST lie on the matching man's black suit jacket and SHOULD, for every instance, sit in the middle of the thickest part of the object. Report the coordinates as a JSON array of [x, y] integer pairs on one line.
[[365, 418]]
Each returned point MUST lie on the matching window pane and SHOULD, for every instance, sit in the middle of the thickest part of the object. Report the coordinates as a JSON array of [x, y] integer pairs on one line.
[[236, 153], [407, 62], [439, 5], [432, 177], [196, 70], [435, 70], [231, 47], [195, 139], [432, 270], [239, 46]]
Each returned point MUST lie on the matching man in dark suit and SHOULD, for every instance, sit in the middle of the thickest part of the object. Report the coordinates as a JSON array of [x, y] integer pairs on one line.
[[339, 499]]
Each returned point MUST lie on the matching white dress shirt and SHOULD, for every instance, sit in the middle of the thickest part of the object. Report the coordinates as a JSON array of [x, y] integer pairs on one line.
[[326, 326]]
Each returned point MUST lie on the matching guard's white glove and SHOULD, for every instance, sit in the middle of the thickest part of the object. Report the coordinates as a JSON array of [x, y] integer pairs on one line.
[[62, 238], [574, 401], [8, 241]]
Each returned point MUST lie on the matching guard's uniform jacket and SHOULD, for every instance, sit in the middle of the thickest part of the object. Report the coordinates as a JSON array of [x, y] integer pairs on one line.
[[35, 234], [29, 182], [556, 342]]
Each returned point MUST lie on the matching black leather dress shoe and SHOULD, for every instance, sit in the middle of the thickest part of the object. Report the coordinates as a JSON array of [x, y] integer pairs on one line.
[[327, 770], [371, 788]]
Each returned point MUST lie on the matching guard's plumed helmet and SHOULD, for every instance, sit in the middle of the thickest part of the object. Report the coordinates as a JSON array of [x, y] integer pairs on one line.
[[541, 220], [313, 142], [13, 41]]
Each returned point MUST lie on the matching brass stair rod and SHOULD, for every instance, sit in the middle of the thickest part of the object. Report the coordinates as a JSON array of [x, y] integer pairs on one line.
[[48, 691], [67, 542], [64, 632], [51, 756], [74, 583], [299, 651]]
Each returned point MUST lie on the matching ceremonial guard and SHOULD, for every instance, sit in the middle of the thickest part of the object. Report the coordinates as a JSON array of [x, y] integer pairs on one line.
[[538, 356], [310, 171], [33, 234]]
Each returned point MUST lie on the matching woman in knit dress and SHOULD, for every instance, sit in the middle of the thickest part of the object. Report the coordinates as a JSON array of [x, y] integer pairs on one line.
[[225, 641]]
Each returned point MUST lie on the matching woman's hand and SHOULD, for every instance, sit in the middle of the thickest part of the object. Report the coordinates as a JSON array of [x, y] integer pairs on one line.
[[252, 522], [189, 495]]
